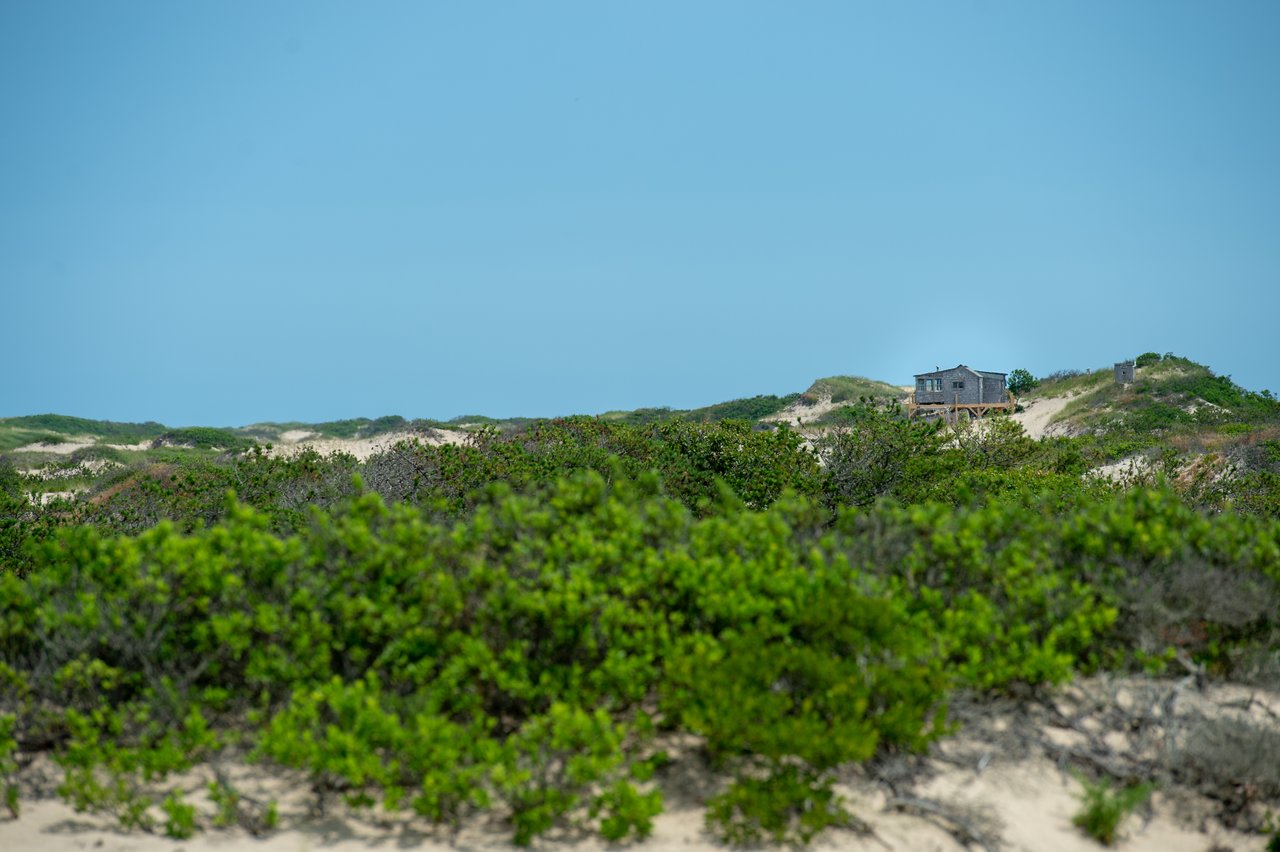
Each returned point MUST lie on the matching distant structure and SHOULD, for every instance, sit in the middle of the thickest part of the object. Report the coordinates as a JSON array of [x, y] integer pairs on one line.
[[1124, 371], [960, 389]]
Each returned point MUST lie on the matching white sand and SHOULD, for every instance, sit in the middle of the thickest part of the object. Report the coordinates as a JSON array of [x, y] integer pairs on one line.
[[1126, 471], [82, 442], [363, 448], [64, 448], [1036, 415], [797, 414]]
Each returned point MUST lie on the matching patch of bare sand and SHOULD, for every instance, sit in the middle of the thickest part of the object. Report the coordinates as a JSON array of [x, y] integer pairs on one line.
[[363, 448], [1036, 415], [799, 413], [62, 448], [66, 448]]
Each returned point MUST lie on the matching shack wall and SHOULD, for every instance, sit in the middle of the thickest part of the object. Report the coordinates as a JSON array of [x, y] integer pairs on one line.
[[949, 394]]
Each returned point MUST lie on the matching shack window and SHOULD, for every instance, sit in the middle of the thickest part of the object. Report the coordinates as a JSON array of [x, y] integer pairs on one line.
[[931, 385], [957, 385]]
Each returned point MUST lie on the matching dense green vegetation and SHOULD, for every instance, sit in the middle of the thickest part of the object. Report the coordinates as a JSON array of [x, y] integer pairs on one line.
[[753, 408], [57, 428], [851, 389], [540, 621], [1167, 392], [1201, 430], [61, 424], [531, 654]]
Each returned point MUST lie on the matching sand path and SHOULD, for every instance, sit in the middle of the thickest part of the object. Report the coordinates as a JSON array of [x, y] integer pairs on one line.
[[1036, 415]]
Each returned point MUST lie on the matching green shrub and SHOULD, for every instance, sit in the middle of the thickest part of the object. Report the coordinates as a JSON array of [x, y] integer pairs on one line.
[[203, 437], [1021, 381], [516, 649], [789, 806], [1102, 809], [8, 764], [181, 817], [750, 409], [878, 453]]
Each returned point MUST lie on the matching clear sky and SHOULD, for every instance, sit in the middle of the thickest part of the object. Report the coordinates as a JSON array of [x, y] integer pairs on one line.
[[229, 212]]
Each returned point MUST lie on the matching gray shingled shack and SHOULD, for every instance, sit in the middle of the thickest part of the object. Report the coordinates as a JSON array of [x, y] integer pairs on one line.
[[961, 385]]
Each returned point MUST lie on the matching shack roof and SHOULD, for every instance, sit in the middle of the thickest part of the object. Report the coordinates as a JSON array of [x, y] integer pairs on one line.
[[986, 373]]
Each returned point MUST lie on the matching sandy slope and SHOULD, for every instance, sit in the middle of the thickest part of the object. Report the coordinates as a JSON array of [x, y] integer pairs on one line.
[[1036, 415], [296, 440], [291, 442], [69, 446], [799, 413]]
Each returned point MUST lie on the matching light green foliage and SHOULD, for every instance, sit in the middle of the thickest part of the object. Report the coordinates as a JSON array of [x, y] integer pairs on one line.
[[790, 806], [507, 637], [550, 765], [627, 811], [1103, 808], [180, 822], [347, 739]]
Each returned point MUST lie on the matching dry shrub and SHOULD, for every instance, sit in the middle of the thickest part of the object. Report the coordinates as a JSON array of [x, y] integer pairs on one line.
[[1183, 604], [1233, 759]]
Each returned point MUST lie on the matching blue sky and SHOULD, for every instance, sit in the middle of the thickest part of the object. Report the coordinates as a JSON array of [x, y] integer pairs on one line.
[[223, 213]]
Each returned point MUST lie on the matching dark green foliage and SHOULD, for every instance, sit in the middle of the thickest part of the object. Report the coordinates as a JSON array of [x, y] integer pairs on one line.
[[752, 408], [12, 483], [1146, 359], [851, 389], [203, 437], [1020, 381], [359, 427], [1155, 417], [23, 522], [878, 453], [1256, 493], [118, 433], [8, 764], [363, 427], [691, 458]]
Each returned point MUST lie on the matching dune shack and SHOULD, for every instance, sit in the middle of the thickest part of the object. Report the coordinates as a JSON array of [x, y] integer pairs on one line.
[[960, 389]]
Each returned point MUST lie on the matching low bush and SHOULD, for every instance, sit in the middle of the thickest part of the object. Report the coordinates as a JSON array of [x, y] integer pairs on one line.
[[204, 438], [1103, 808], [502, 636]]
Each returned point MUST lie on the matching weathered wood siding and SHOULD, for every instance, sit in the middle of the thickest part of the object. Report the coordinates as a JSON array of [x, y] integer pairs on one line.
[[977, 388]]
